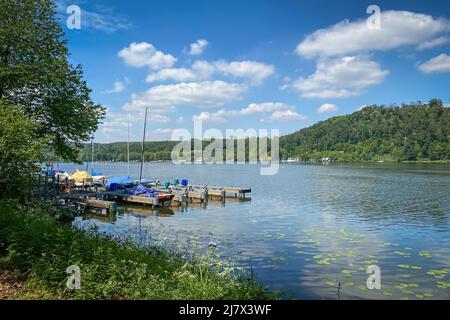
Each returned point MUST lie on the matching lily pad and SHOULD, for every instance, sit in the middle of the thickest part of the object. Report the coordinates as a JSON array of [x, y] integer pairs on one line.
[[425, 254], [323, 261], [403, 254], [348, 284], [438, 274], [407, 266], [443, 285], [362, 288]]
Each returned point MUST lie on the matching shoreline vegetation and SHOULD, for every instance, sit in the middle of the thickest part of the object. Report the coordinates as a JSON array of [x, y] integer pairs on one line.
[[36, 250], [417, 132], [296, 162]]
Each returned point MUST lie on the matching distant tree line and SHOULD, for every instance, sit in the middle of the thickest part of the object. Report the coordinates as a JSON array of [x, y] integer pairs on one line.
[[409, 132]]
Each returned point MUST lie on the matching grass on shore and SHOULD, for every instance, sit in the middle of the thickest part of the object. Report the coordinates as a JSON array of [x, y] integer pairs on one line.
[[37, 250]]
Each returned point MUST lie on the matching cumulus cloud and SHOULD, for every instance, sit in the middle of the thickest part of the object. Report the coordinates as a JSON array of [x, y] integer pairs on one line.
[[117, 87], [256, 72], [253, 71], [115, 125], [398, 28], [441, 63], [340, 78], [280, 112], [177, 74], [144, 54], [284, 116], [200, 70], [161, 134], [430, 44], [198, 94], [327, 108], [198, 47]]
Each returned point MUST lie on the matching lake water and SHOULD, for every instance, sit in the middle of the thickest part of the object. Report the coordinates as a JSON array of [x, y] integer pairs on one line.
[[311, 227]]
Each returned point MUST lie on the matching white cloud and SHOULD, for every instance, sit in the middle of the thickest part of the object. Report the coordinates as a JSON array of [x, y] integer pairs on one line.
[[264, 107], [161, 134], [327, 108], [430, 44], [144, 54], [340, 78], [203, 69], [198, 47], [117, 87], [398, 28], [283, 116], [198, 94], [256, 72], [253, 71], [177, 74], [281, 112], [100, 18], [158, 118], [212, 117], [441, 63], [115, 124]]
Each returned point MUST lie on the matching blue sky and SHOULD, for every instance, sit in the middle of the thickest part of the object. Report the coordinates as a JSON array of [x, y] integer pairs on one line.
[[255, 64]]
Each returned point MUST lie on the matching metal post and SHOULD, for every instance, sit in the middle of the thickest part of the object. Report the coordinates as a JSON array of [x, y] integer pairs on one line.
[[128, 146], [143, 142]]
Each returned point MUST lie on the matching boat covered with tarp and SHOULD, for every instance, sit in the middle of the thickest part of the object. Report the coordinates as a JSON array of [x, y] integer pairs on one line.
[[82, 178], [119, 182]]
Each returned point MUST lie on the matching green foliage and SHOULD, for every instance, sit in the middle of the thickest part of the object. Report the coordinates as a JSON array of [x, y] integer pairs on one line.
[[39, 250], [35, 76], [19, 150], [154, 151], [407, 133], [415, 132]]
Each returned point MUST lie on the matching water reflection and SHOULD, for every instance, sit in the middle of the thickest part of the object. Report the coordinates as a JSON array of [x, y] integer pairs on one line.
[[310, 229]]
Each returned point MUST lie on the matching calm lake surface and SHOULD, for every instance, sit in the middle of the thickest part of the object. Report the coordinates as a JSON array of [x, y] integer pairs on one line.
[[312, 226]]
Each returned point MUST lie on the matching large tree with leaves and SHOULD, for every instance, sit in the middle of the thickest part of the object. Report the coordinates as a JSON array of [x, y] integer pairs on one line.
[[36, 76], [19, 150]]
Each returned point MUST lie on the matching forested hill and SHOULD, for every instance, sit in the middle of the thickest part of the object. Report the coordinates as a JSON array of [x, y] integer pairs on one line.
[[409, 132]]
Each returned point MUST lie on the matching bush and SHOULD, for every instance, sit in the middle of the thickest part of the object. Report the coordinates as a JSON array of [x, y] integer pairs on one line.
[[19, 150], [39, 250]]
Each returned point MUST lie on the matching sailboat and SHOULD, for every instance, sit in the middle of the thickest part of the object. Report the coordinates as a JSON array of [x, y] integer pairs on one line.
[[140, 190], [97, 177]]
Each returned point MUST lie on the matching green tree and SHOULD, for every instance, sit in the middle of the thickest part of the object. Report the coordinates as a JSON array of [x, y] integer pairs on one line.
[[19, 149], [35, 76]]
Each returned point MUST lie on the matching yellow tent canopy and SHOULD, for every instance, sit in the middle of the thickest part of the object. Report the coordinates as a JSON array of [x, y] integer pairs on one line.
[[81, 176]]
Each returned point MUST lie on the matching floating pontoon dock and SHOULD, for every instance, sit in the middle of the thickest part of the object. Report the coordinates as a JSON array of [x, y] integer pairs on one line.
[[179, 196]]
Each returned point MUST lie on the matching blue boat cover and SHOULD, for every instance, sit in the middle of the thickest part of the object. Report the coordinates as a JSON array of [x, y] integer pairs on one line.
[[140, 190], [95, 173], [146, 181], [119, 181]]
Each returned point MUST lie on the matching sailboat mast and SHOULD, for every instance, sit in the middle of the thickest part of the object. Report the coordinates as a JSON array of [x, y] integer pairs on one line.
[[128, 146], [92, 155], [143, 142]]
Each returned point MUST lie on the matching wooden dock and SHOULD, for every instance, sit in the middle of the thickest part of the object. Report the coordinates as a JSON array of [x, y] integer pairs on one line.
[[182, 196], [90, 200], [203, 193]]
